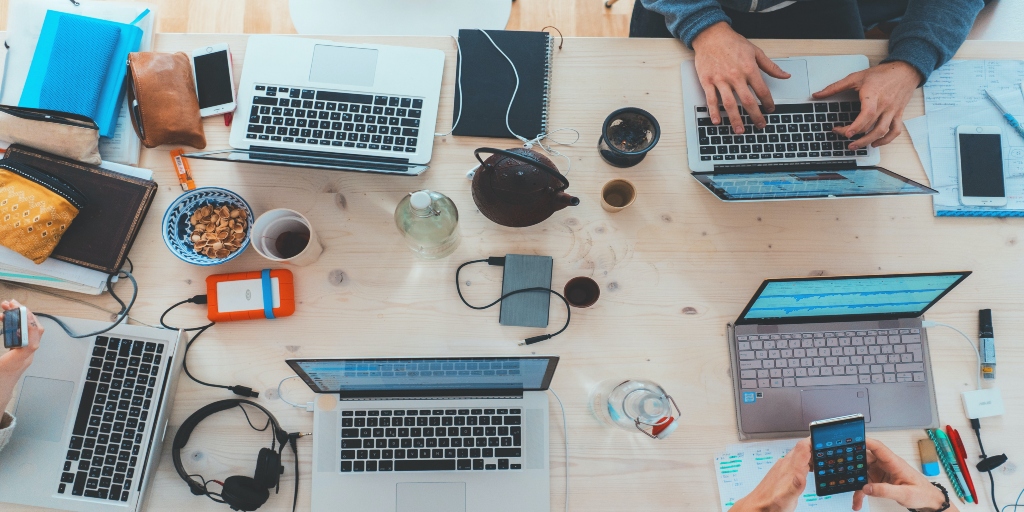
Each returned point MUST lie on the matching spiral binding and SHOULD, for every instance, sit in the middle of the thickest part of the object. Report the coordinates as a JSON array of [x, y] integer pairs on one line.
[[547, 86]]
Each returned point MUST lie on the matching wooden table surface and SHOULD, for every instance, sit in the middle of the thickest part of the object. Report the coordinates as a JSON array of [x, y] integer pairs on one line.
[[674, 268]]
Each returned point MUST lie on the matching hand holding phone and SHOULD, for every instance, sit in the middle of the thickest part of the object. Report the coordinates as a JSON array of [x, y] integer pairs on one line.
[[839, 455], [215, 83], [16, 327], [979, 158]]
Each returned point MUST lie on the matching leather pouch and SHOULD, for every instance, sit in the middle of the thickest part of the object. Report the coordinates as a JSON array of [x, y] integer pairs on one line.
[[69, 135], [36, 209], [162, 98]]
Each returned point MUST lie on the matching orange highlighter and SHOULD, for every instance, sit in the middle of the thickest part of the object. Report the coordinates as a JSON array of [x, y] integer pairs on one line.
[[182, 170], [961, 458]]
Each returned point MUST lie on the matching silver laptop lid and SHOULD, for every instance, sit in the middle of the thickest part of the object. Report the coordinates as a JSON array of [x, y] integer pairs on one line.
[[426, 377], [784, 181], [847, 298]]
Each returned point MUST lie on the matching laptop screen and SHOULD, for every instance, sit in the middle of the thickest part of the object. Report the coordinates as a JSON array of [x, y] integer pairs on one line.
[[848, 298], [400, 376], [808, 184]]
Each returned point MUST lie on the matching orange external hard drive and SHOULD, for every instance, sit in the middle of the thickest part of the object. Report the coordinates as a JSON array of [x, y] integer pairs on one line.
[[250, 295]]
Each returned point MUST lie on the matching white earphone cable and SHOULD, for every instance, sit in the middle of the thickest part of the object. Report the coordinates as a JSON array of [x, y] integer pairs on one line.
[[565, 436]]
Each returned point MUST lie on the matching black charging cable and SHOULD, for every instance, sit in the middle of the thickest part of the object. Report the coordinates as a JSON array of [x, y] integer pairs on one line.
[[122, 314], [499, 261], [988, 464], [201, 300]]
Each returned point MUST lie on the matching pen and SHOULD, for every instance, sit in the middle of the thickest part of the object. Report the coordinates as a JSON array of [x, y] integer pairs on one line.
[[961, 459], [1006, 115], [953, 469]]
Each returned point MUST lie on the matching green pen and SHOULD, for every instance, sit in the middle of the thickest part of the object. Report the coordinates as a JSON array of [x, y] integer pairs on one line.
[[945, 449]]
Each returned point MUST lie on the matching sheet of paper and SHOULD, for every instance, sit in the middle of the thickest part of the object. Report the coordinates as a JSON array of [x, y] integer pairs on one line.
[[92, 279], [963, 82], [135, 172], [742, 467], [942, 143], [917, 128], [123, 146]]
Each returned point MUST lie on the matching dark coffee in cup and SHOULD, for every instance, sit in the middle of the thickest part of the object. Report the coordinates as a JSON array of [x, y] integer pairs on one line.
[[582, 292], [291, 243]]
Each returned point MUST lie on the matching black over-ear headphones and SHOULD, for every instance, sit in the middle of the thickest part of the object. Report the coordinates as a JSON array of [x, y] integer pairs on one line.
[[240, 492]]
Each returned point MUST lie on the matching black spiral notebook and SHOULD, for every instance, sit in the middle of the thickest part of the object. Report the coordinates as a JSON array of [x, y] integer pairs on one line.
[[488, 82]]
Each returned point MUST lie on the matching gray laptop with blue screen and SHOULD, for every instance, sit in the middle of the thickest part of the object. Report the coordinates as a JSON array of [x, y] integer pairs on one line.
[[430, 434], [787, 181], [807, 349]]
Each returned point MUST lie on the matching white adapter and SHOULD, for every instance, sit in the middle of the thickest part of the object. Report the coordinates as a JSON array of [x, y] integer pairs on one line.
[[983, 403]]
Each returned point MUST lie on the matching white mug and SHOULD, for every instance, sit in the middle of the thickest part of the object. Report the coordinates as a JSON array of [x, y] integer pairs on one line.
[[272, 224]]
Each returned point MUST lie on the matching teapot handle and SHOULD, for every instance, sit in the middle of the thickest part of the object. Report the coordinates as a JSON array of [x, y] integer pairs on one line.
[[525, 159]]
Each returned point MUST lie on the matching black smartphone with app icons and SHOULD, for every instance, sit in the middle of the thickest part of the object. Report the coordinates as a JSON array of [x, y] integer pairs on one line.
[[839, 455]]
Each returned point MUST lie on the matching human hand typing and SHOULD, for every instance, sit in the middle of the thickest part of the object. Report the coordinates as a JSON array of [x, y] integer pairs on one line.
[[729, 65]]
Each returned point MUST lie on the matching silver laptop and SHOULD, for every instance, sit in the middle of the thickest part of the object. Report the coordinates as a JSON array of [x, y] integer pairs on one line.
[[91, 416], [339, 106], [790, 181], [806, 349], [799, 130], [430, 434]]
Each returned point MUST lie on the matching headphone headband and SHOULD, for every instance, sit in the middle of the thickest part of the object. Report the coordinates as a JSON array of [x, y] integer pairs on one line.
[[525, 159]]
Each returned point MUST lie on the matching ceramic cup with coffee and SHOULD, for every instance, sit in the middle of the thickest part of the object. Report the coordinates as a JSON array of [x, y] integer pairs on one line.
[[286, 236]]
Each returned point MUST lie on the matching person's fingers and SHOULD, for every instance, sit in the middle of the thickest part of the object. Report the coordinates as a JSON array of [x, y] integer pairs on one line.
[[712, 98], [6, 305], [836, 87], [15, 304], [731, 109], [750, 104], [895, 129], [768, 66], [881, 128], [761, 91], [897, 493], [868, 116], [879, 451], [35, 331], [858, 501]]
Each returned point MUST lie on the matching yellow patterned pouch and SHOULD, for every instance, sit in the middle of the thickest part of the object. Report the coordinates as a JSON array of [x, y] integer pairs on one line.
[[36, 208]]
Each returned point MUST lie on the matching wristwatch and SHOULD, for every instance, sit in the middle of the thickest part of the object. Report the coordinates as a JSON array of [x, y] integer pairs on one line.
[[945, 496]]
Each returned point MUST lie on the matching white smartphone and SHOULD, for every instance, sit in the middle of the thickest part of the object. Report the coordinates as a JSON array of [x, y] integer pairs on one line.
[[215, 83], [979, 158]]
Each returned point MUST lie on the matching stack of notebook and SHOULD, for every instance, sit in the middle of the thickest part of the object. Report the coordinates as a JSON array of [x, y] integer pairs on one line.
[[98, 242]]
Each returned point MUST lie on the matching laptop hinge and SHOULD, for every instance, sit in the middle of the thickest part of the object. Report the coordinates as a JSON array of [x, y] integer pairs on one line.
[[832, 165], [263, 150], [429, 394]]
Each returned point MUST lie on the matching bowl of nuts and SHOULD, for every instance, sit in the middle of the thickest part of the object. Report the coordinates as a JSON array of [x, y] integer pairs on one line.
[[207, 226]]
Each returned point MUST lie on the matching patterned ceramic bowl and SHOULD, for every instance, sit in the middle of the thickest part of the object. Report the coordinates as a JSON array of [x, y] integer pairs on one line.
[[177, 230]]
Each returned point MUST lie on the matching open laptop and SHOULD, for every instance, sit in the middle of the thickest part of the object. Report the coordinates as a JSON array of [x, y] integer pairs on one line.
[[91, 417], [806, 349], [826, 180], [338, 106], [430, 434]]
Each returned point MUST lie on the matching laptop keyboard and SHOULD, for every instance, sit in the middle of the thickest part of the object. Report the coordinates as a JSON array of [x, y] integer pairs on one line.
[[830, 358], [314, 117], [107, 436], [794, 130], [431, 440]]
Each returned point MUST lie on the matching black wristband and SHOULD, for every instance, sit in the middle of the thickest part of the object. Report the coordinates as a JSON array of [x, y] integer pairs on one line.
[[945, 496]]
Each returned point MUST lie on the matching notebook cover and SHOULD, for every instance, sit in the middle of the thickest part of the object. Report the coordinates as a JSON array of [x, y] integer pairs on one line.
[[527, 309], [488, 82], [103, 233], [101, 106]]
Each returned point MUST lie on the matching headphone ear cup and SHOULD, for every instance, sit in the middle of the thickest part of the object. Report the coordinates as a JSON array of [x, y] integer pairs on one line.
[[244, 493], [268, 468]]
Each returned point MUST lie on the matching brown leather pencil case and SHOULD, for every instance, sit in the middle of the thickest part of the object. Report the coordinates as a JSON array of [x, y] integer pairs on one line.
[[162, 98]]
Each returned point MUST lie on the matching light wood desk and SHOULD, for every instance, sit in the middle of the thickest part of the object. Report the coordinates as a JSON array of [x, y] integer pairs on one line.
[[674, 269]]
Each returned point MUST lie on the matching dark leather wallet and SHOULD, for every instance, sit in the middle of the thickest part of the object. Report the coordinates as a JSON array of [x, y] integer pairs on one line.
[[104, 232]]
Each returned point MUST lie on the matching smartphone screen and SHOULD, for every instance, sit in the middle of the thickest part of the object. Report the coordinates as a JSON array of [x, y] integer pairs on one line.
[[839, 456], [213, 79], [12, 326], [981, 165]]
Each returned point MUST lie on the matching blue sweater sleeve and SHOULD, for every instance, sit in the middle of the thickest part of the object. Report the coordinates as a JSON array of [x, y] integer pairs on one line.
[[931, 31], [688, 18]]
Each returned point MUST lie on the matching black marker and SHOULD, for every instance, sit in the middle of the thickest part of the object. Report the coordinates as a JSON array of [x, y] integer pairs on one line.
[[988, 344]]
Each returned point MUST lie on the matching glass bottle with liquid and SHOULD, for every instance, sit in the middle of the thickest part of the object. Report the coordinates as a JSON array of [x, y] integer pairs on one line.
[[429, 221], [634, 404]]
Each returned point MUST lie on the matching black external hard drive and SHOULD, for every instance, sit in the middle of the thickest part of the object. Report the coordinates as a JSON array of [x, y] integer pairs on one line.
[[527, 309]]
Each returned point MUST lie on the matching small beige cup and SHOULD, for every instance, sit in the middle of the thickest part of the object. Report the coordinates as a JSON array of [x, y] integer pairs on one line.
[[272, 224], [617, 194]]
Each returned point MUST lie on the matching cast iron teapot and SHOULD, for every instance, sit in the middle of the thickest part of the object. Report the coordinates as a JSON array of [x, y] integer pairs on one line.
[[519, 187]]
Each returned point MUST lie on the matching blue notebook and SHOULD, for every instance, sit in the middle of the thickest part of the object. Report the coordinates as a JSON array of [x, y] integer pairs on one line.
[[79, 66]]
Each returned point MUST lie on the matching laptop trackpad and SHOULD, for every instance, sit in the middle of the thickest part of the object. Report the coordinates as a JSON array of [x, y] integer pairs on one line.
[[795, 87], [432, 497], [343, 65], [42, 408], [822, 404]]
